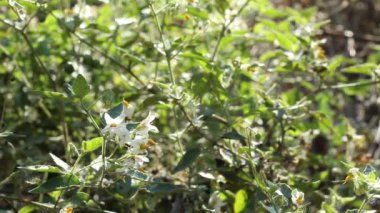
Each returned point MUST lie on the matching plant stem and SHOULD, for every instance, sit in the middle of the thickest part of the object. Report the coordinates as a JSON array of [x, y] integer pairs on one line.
[[5, 197], [104, 144], [101, 52], [166, 50], [351, 85], [68, 181], [224, 29], [364, 202], [88, 113]]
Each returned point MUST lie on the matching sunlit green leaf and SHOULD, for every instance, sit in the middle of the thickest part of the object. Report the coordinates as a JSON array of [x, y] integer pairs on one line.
[[80, 87], [241, 199], [93, 144]]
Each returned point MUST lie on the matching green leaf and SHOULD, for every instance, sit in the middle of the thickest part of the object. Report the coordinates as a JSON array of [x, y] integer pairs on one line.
[[80, 87], [196, 56], [328, 208], [28, 209], [369, 170], [196, 12], [56, 183], [101, 28], [287, 41], [51, 94], [5, 134], [60, 162], [241, 199], [132, 126], [42, 168], [79, 198], [135, 174], [114, 111], [164, 188], [188, 158], [234, 135], [125, 189], [93, 144], [286, 191], [365, 69], [108, 98]]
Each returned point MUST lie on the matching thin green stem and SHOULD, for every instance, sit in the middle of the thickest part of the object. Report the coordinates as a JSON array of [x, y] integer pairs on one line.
[[5, 197], [350, 85], [166, 50], [88, 113], [96, 49], [224, 29], [104, 144], [71, 175], [365, 202], [176, 128]]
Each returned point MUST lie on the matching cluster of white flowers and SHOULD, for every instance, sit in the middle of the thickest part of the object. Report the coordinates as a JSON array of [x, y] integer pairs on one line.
[[136, 139]]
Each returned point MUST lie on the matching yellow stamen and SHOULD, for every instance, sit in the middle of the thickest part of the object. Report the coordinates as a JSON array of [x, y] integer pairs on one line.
[[348, 178], [69, 210], [125, 103], [113, 125], [321, 53], [151, 142], [299, 200], [143, 147], [186, 16]]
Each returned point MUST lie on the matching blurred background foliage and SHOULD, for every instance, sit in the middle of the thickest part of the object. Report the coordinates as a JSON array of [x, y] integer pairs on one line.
[[270, 93]]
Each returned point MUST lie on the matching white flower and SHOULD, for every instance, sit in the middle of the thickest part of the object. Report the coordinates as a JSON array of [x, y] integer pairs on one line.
[[136, 161], [113, 125], [66, 210], [124, 137], [216, 202], [297, 197], [97, 164], [128, 110], [352, 175], [376, 184], [117, 126], [139, 144], [146, 125]]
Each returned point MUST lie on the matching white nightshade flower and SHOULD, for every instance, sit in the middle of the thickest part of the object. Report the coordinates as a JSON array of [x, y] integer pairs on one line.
[[113, 125], [117, 126], [139, 145], [125, 137], [146, 125], [352, 175], [128, 110], [136, 161], [376, 184], [216, 202], [97, 164], [66, 210], [298, 197]]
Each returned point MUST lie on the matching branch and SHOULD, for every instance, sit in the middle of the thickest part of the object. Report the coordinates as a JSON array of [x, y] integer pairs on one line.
[[359, 37], [350, 85], [101, 52]]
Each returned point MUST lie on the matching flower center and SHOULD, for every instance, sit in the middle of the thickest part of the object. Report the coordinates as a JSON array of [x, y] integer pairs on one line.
[[113, 125], [151, 142], [299, 200], [349, 178], [125, 103], [143, 147]]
